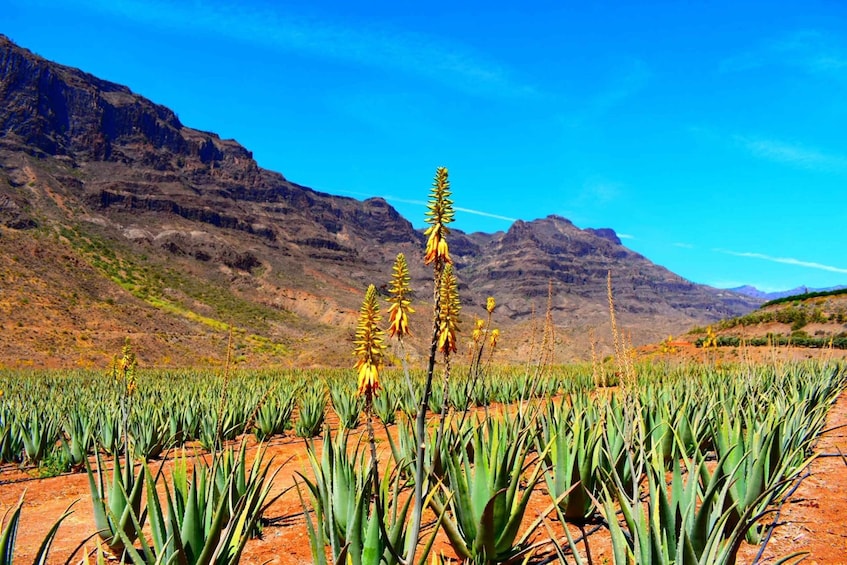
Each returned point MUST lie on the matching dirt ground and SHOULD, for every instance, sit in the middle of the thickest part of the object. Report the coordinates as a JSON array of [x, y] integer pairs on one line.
[[813, 519]]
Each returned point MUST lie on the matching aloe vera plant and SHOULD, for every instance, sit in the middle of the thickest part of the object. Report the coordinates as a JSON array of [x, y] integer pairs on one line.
[[385, 406], [340, 494], [149, 433], [686, 522], [488, 495], [209, 517], [39, 433], [80, 438], [754, 450], [273, 417], [108, 433], [347, 406], [11, 444], [574, 436], [310, 413], [117, 512]]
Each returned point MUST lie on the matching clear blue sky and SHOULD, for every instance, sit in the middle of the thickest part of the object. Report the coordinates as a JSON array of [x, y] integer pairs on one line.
[[712, 136]]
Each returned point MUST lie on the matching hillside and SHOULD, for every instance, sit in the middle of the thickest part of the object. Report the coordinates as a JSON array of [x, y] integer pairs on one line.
[[815, 319], [116, 219]]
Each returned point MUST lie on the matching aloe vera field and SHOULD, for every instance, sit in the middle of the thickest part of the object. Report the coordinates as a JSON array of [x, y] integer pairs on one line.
[[459, 458]]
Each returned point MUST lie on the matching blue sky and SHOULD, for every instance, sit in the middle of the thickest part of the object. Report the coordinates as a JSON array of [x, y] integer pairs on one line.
[[709, 135]]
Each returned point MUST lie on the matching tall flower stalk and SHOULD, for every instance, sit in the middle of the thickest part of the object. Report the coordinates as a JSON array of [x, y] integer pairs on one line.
[[124, 372], [369, 351], [369, 346], [400, 292], [482, 332], [439, 213], [448, 327]]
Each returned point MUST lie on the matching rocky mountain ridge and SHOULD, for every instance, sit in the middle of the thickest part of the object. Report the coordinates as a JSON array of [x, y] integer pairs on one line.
[[753, 292], [184, 224]]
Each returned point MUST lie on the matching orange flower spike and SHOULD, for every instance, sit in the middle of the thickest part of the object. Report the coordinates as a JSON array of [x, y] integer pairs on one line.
[[368, 379], [399, 290], [369, 345], [450, 308], [439, 213], [478, 330]]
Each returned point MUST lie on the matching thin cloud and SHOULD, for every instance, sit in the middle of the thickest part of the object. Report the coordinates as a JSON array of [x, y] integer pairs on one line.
[[599, 190], [793, 154], [456, 208], [486, 214], [784, 260], [632, 77], [626, 236], [683, 245], [368, 44], [812, 51]]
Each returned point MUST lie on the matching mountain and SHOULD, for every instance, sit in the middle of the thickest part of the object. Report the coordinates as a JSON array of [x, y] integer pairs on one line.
[[754, 292], [118, 220]]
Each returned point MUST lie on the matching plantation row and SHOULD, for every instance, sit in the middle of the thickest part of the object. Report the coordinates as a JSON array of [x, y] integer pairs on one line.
[[772, 340], [55, 420], [709, 451]]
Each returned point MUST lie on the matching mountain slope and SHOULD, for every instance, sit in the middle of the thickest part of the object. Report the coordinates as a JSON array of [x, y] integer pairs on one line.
[[186, 231], [754, 292]]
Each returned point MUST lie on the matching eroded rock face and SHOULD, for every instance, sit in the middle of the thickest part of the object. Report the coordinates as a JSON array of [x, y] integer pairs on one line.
[[73, 146]]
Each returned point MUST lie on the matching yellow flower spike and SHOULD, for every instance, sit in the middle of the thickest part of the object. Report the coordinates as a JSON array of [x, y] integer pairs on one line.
[[439, 213], [368, 379], [490, 304], [495, 334], [450, 306], [400, 290], [478, 331], [123, 368], [369, 345]]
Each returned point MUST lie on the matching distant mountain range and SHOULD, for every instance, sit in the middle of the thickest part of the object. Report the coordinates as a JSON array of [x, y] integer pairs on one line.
[[116, 219], [754, 292]]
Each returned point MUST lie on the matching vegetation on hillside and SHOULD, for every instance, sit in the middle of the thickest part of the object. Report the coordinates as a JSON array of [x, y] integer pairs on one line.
[[806, 296], [827, 310]]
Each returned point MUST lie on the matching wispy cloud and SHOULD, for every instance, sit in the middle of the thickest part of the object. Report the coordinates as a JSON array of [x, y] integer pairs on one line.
[[793, 154], [784, 260], [485, 214], [631, 77], [626, 236], [371, 44], [598, 190], [423, 204], [683, 245], [456, 208], [812, 51]]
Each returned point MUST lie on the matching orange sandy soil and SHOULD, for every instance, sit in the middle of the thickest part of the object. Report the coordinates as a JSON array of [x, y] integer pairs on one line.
[[814, 519]]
